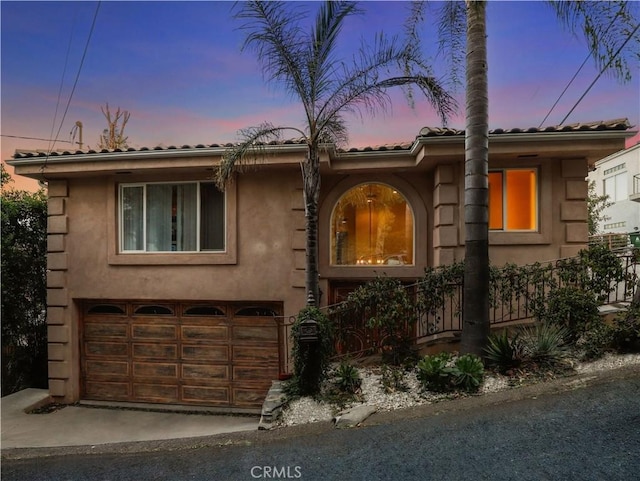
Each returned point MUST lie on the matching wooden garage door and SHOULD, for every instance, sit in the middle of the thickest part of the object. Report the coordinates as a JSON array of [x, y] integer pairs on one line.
[[214, 354]]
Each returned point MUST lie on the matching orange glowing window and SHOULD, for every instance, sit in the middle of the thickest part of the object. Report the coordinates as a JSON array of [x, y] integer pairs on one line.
[[513, 199], [372, 224]]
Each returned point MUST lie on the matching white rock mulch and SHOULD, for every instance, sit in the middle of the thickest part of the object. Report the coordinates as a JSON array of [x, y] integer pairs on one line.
[[307, 410], [609, 361]]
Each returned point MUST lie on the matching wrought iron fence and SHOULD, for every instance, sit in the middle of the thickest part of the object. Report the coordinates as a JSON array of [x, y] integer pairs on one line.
[[516, 295]]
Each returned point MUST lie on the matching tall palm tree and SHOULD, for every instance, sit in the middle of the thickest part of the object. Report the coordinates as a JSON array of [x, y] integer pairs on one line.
[[611, 32], [305, 64]]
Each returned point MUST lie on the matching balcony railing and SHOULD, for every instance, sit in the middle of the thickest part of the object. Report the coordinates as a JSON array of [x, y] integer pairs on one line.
[[440, 316]]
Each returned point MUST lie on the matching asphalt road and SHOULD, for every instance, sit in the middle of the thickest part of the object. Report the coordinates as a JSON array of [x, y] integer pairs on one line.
[[588, 433]]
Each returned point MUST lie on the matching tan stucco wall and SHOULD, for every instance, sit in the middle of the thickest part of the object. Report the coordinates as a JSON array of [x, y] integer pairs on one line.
[[266, 257], [267, 267]]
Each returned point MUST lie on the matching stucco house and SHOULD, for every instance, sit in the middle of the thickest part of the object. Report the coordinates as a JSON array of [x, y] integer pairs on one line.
[[618, 177], [163, 289]]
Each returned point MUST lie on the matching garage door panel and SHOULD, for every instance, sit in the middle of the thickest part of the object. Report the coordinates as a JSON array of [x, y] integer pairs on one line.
[[255, 333], [262, 355], [153, 370], [254, 373], [204, 333], [159, 332], [108, 391], [214, 395], [205, 372], [155, 392], [157, 351], [205, 353], [99, 368], [101, 330], [107, 349]]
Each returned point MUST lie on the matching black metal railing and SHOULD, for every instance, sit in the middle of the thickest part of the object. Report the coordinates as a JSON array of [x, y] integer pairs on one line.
[[515, 295]]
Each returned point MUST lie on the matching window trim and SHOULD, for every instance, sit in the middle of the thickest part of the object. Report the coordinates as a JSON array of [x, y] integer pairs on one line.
[[419, 207], [144, 185], [613, 176], [504, 171], [115, 257], [373, 266], [545, 204]]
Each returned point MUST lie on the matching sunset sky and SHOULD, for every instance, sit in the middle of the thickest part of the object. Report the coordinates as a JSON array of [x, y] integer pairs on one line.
[[178, 69]]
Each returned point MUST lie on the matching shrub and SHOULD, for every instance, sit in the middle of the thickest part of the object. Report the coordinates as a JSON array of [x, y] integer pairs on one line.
[[393, 379], [469, 373], [572, 308], [626, 330], [504, 352], [441, 373], [544, 344], [435, 373], [311, 360], [399, 350], [348, 379], [385, 305], [596, 341]]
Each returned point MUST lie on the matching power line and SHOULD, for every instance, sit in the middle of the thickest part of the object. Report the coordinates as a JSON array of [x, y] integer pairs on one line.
[[64, 71], [564, 91], [34, 138], [75, 83], [601, 72], [578, 71]]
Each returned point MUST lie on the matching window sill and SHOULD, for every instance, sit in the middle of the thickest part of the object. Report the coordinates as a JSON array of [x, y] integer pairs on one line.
[[155, 259], [518, 238]]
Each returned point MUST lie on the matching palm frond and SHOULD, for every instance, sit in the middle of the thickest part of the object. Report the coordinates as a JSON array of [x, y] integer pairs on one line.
[[248, 151], [273, 33], [610, 30], [452, 26], [362, 87], [323, 42]]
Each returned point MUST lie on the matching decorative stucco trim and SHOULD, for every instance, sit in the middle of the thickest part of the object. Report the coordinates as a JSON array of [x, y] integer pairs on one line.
[[418, 206]]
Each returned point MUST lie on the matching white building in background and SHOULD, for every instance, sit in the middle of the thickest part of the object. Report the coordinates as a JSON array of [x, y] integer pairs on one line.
[[618, 176]]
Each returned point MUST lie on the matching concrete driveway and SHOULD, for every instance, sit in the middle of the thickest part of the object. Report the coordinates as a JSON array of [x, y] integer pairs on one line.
[[87, 426]]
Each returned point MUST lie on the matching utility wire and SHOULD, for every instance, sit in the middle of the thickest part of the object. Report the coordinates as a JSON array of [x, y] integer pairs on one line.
[[33, 138], [64, 71], [564, 91], [577, 72], [75, 83], [601, 72]]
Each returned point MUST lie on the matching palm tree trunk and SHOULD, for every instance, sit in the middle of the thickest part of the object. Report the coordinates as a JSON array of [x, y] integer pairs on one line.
[[475, 310], [311, 178]]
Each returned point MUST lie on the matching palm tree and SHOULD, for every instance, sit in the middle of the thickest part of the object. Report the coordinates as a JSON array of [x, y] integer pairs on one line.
[[305, 65], [607, 27]]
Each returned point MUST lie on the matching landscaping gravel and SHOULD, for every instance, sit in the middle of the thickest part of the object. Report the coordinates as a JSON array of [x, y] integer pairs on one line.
[[307, 410]]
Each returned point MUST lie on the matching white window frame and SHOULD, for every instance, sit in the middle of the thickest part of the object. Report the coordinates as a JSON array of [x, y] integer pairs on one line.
[[615, 197], [144, 185]]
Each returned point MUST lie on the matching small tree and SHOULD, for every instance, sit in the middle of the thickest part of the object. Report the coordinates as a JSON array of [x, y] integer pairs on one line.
[[596, 204], [24, 289], [113, 136]]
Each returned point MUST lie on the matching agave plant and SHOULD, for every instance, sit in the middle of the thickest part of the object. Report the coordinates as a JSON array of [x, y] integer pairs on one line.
[[504, 352], [469, 372], [545, 343]]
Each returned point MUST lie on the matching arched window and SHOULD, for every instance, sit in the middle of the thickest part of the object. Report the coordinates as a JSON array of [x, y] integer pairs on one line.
[[372, 224]]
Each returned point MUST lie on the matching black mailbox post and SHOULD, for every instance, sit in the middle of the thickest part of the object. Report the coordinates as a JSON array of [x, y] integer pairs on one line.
[[308, 331]]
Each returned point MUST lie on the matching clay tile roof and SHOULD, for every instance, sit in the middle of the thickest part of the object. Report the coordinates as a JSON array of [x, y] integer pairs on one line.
[[615, 124], [425, 132]]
